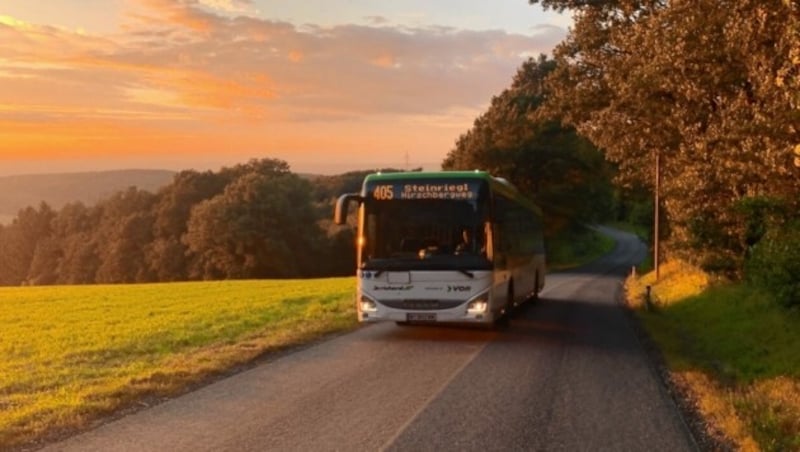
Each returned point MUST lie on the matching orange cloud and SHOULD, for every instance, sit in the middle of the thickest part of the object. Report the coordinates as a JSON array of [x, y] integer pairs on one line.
[[181, 78], [179, 13], [385, 61]]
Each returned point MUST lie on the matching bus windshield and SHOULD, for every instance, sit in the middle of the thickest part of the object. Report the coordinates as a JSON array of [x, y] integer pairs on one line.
[[426, 231]]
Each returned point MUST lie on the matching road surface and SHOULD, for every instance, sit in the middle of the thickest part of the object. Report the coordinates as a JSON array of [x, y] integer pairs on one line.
[[567, 374]]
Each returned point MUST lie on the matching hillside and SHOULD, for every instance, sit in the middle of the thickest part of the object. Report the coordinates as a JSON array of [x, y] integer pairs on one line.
[[18, 192]]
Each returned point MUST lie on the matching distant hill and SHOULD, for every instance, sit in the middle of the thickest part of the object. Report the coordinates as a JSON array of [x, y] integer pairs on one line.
[[18, 192]]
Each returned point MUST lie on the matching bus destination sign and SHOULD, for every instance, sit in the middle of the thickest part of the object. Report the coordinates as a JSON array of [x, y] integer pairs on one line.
[[424, 190]]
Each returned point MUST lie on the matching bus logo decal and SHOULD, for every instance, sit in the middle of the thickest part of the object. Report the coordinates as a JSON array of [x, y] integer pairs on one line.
[[459, 288], [393, 288]]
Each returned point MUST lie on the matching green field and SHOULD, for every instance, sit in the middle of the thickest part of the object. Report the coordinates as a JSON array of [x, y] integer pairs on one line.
[[71, 354]]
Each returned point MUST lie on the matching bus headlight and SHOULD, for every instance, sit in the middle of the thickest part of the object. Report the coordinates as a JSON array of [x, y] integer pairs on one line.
[[368, 305], [478, 305]]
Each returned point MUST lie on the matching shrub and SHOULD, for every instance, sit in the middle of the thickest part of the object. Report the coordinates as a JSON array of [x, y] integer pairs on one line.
[[774, 264]]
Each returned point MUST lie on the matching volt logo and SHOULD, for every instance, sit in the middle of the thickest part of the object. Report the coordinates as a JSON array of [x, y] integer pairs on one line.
[[459, 288]]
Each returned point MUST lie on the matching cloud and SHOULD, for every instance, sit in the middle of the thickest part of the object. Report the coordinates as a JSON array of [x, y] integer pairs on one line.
[[355, 69], [231, 6], [193, 58], [377, 20]]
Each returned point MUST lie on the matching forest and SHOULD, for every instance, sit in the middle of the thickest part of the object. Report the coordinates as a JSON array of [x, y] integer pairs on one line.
[[708, 91], [252, 220]]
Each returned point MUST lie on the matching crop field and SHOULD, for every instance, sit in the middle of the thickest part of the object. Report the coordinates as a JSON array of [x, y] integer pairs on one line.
[[71, 354]]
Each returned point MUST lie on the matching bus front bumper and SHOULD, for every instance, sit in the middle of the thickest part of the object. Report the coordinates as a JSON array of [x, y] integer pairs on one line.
[[454, 315]]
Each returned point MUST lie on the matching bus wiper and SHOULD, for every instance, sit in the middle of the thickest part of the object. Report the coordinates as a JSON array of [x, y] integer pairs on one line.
[[468, 273], [379, 272]]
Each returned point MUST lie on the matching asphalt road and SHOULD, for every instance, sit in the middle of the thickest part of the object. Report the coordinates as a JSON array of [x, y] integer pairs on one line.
[[567, 374]]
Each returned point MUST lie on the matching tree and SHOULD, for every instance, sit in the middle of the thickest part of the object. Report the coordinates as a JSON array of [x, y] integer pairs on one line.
[[73, 228], [564, 173], [262, 225], [710, 86], [167, 255], [125, 230], [20, 240]]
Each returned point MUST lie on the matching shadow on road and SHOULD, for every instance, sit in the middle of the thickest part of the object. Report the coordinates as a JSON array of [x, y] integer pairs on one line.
[[546, 323]]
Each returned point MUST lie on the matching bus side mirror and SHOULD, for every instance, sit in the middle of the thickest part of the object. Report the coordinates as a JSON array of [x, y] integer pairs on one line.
[[342, 206]]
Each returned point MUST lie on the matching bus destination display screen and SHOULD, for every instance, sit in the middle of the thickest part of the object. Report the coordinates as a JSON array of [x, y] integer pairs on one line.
[[413, 190]]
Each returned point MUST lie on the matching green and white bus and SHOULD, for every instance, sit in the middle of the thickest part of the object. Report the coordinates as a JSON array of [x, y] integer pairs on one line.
[[450, 246]]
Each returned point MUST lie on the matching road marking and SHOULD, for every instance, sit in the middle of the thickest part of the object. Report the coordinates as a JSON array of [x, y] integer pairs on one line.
[[432, 397]]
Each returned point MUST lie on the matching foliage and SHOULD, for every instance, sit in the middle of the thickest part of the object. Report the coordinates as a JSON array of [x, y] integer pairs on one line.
[[562, 172], [72, 354], [713, 87], [774, 264], [262, 225], [253, 220], [20, 241]]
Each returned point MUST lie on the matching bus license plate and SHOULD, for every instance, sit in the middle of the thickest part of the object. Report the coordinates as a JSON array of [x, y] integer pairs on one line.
[[421, 317]]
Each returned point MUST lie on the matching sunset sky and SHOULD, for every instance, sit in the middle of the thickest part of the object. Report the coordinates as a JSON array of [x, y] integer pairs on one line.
[[327, 85]]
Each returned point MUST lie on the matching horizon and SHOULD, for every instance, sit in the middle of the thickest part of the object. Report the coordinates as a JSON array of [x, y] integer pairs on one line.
[[58, 172], [204, 84], [323, 169]]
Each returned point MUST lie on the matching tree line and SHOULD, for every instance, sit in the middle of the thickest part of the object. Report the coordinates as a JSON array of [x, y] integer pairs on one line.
[[709, 89], [253, 220]]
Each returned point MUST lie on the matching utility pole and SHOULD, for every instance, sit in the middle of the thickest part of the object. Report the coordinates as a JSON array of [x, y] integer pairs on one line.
[[656, 221]]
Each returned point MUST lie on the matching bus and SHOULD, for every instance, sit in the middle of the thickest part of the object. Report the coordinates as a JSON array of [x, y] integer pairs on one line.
[[444, 246]]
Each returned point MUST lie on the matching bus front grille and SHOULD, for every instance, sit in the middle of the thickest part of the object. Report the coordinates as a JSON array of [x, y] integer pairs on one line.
[[422, 305]]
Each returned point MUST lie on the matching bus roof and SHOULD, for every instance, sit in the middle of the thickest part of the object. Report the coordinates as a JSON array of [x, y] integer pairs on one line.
[[403, 175], [437, 175]]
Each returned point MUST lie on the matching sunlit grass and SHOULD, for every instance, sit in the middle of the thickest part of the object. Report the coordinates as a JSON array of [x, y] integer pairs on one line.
[[70, 354], [736, 349], [677, 281]]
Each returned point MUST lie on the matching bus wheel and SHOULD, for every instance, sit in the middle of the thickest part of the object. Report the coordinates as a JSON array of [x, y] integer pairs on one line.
[[511, 308], [500, 323], [535, 296]]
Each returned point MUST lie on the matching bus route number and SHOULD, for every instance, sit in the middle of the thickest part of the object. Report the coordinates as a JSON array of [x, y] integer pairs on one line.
[[383, 192]]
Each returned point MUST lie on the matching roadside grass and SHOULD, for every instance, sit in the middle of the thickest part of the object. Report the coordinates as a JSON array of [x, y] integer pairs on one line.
[[71, 354], [736, 350], [575, 250]]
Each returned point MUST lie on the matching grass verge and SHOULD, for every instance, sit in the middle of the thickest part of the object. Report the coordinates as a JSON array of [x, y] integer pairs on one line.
[[733, 348], [72, 354]]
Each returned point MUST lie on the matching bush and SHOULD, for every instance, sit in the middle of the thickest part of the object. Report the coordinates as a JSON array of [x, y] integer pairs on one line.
[[774, 264]]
